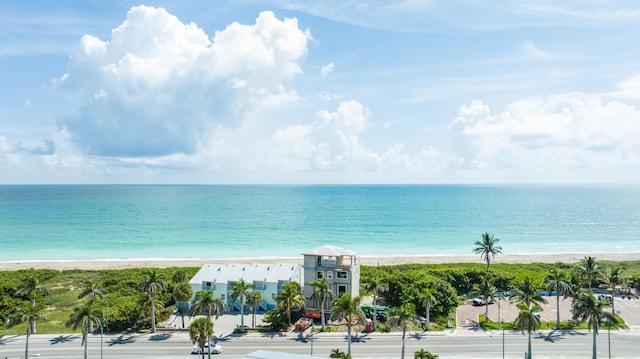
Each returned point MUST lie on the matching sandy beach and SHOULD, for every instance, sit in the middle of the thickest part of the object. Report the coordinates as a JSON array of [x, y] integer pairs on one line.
[[364, 260]]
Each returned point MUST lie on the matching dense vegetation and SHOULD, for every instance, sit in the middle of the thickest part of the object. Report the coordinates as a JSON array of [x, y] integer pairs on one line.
[[128, 305]]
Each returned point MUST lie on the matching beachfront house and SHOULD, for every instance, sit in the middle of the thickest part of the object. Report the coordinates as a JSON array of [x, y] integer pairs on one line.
[[268, 279], [341, 268]]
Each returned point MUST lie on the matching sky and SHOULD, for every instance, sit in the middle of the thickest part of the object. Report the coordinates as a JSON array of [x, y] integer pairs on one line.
[[320, 92]]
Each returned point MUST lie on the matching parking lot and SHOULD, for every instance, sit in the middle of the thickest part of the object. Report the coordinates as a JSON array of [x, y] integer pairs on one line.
[[222, 327], [628, 309]]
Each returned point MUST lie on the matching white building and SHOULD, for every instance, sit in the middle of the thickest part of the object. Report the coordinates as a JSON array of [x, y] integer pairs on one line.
[[341, 268], [268, 279]]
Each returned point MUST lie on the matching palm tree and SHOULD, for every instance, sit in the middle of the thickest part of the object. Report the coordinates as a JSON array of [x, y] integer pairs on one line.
[[323, 295], [30, 289], [423, 354], [487, 248], [428, 299], [336, 353], [575, 285], [200, 330], [153, 283], [377, 288], [612, 278], [26, 313], [241, 290], [487, 291], [590, 269], [182, 292], [205, 302], [289, 297], [529, 319], [526, 292], [588, 307], [255, 299], [347, 308], [556, 281], [179, 276], [91, 291], [405, 314], [83, 317]]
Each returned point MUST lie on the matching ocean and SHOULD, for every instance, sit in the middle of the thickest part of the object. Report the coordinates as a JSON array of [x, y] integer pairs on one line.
[[84, 222]]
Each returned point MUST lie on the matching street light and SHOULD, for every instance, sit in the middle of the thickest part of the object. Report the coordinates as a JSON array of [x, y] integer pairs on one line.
[[502, 325], [106, 302], [102, 325], [609, 335], [311, 336]]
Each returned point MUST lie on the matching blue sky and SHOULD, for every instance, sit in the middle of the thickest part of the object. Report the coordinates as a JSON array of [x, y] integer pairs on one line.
[[319, 92]]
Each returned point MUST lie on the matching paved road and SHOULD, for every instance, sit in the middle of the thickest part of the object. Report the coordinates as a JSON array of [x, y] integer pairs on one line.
[[372, 346]]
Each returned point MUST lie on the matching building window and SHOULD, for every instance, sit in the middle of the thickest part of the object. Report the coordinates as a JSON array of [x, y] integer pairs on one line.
[[342, 275], [208, 286], [319, 274], [222, 296], [273, 295], [319, 261], [329, 274], [342, 289], [260, 285]]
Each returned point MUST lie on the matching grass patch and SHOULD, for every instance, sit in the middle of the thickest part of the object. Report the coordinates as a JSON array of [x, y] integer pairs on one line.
[[564, 325]]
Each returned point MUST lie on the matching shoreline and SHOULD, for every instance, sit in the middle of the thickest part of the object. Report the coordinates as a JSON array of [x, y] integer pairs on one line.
[[106, 264]]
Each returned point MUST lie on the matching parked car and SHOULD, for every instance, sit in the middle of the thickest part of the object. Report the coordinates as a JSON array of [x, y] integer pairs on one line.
[[215, 349], [608, 297], [477, 301]]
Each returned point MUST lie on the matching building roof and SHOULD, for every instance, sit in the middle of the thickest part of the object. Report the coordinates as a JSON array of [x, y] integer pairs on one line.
[[330, 251], [256, 272], [269, 354]]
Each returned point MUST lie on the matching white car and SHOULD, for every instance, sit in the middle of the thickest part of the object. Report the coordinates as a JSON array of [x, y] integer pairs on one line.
[[477, 301], [215, 349]]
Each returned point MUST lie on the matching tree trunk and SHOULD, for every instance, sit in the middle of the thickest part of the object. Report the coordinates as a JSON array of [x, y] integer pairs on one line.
[[253, 316], [486, 311], [33, 323], [322, 315], [86, 344], [182, 315], [375, 312], [428, 309], [557, 310], [26, 347], [153, 315], [595, 353], [529, 346], [404, 331], [242, 315], [349, 337]]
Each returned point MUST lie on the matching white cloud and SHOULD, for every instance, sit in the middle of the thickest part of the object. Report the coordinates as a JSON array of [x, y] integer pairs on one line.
[[571, 131], [326, 96], [160, 87], [330, 142], [530, 50], [327, 70], [628, 88]]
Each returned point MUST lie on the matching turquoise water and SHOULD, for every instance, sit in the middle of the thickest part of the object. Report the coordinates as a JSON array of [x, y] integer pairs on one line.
[[182, 221]]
